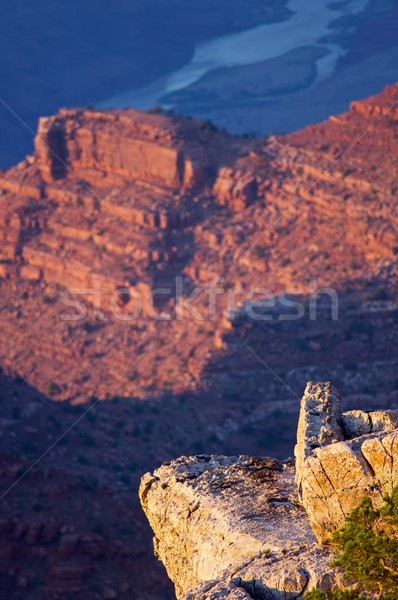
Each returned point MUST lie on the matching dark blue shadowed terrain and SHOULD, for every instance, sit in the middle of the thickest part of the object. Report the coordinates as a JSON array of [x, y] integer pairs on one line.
[[248, 65]]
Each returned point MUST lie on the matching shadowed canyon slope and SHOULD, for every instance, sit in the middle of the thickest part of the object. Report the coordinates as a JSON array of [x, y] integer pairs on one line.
[[113, 205]]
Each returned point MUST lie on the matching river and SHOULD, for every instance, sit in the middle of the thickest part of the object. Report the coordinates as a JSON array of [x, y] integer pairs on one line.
[[309, 25]]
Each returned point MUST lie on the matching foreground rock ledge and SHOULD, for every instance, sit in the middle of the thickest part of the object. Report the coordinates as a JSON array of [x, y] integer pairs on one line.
[[234, 523], [241, 527]]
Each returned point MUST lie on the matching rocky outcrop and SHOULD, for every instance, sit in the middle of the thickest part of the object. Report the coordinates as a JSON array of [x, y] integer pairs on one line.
[[340, 458], [111, 147], [114, 182], [235, 189], [234, 523], [242, 528], [379, 105]]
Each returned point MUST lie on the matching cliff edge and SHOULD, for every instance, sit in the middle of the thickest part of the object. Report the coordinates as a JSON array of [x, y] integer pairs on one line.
[[241, 527]]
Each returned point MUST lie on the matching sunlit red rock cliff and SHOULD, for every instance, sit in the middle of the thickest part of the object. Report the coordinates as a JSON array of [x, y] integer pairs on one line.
[[129, 202], [133, 200]]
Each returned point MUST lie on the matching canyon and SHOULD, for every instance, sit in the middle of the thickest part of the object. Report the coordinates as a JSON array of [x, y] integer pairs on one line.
[[125, 203], [113, 206]]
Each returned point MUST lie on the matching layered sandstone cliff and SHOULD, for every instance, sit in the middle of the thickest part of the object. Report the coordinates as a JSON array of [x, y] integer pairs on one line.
[[127, 202], [241, 528], [110, 148]]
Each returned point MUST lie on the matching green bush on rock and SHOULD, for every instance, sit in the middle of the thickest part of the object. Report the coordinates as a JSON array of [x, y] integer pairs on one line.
[[367, 550], [337, 595]]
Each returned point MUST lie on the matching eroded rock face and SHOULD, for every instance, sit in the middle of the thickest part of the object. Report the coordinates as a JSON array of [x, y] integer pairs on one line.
[[235, 189], [111, 147], [340, 458], [235, 524], [128, 202]]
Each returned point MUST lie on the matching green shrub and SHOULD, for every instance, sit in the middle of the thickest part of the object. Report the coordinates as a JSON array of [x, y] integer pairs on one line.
[[260, 252], [155, 110], [337, 595], [53, 389], [367, 550]]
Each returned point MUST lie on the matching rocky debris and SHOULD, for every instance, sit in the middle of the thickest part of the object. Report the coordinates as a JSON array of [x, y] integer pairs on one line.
[[274, 576], [341, 458], [356, 423], [235, 523]]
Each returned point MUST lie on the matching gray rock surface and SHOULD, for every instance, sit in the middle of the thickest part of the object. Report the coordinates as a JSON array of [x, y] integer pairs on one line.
[[235, 524], [341, 458]]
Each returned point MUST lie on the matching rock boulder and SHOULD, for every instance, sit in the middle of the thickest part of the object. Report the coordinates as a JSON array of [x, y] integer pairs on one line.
[[342, 457]]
